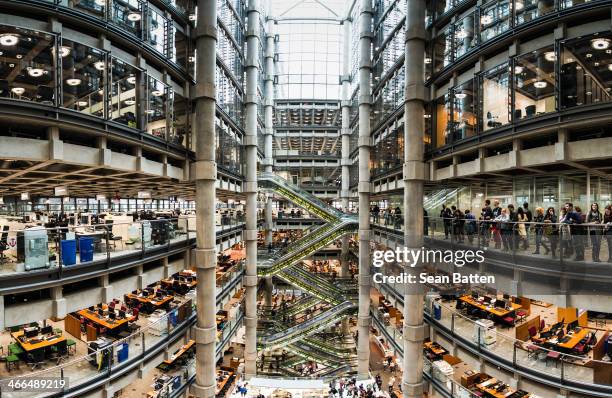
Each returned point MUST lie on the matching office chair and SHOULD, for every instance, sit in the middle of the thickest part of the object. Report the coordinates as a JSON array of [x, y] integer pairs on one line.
[[530, 110], [4, 243], [35, 358]]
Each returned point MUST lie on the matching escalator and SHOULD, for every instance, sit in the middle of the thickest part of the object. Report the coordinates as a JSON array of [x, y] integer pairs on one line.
[[306, 328], [335, 301], [302, 198]]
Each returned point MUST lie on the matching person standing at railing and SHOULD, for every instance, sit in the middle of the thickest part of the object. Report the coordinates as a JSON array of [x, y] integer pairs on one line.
[[486, 215], [529, 216], [387, 216], [551, 231], [574, 219], [505, 229], [376, 214], [446, 215], [470, 226], [607, 221], [496, 228], [539, 231], [521, 228], [458, 224], [514, 227], [425, 223], [595, 217]]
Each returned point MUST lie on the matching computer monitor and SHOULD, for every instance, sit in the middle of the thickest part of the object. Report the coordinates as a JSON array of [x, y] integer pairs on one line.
[[100, 312], [145, 293], [546, 335], [500, 303], [33, 332], [46, 330], [572, 325], [474, 295], [506, 296], [121, 314], [92, 308], [487, 299], [112, 315], [84, 220]]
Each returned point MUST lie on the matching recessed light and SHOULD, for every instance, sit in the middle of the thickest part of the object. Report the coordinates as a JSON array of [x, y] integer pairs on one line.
[[35, 72], [82, 103], [131, 79], [589, 55], [134, 16], [427, 116], [100, 65], [157, 93], [550, 56], [18, 90], [540, 84], [149, 111], [129, 102], [460, 95], [518, 69], [73, 82], [600, 43], [8, 39], [428, 60]]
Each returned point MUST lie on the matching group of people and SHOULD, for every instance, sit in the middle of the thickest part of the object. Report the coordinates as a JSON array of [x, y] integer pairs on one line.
[[346, 387], [565, 234], [391, 217]]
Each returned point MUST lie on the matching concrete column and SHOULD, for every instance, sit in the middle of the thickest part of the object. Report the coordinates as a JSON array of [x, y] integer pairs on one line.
[[2, 324], [250, 187], [268, 136], [365, 105], [414, 175], [205, 176], [59, 302], [141, 282], [345, 158]]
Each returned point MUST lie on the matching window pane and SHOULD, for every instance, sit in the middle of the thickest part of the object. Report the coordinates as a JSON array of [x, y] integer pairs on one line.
[[534, 83], [83, 70], [123, 93], [156, 107], [494, 100]]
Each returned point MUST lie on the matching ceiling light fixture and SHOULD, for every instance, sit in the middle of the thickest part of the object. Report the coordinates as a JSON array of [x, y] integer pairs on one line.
[[600, 43], [519, 6], [129, 102], [100, 65], [460, 95], [134, 16], [100, 2], [486, 19], [462, 34], [8, 39], [131, 79], [73, 82], [550, 56], [540, 84], [35, 72], [64, 51], [18, 90], [82, 103], [157, 93], [610, 67], [518, 69]]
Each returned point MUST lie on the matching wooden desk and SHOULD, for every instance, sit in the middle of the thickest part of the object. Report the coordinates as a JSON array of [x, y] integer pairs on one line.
[[151, 299], [170, 282], [498, 312], [104, 321], [435, 349], [484, 387], [222, 383], [575, 339], [28, 345], [180, 352]]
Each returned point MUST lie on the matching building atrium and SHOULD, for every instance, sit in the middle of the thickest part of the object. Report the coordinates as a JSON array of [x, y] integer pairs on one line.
[[306, 198]]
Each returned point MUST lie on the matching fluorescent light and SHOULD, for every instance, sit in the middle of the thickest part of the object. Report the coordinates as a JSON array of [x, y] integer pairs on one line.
[[82, 103], [18, 90], [550, 56], [600, 43], [129, 102], [64, 51], [99, 65], [8, 39], [35, 72], [540, 84], [73, 82], [134, 16]]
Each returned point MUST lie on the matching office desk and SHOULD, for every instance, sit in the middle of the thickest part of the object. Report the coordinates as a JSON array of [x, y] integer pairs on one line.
[[29, 345], [498, 312], [571, 343], [435, 349], [151, 301], [104, 321], [169, 282], [180, 352], [491, 392]]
